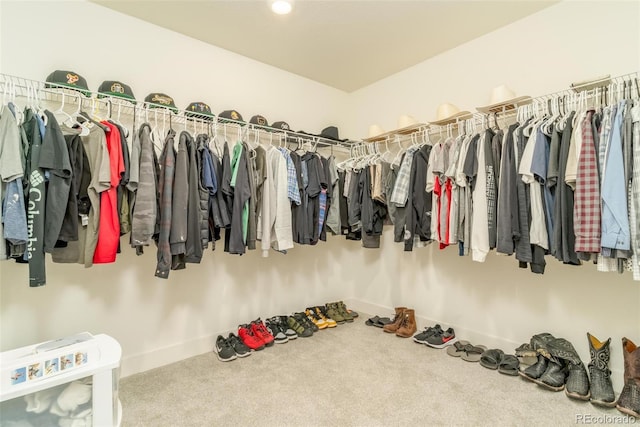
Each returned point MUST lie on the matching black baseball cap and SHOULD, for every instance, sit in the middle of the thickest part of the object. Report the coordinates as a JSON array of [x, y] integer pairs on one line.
[[198, 110], [69, 79], [117, 90], [281, 126], [259, 120], [161, 100], [230, 115]]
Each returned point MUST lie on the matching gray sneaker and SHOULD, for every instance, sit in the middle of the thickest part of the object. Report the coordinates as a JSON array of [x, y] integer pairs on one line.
[[284, 326], [278, 334]]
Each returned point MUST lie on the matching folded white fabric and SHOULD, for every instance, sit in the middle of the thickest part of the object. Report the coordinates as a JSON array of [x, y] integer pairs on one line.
[[40, 401], [76, 394]]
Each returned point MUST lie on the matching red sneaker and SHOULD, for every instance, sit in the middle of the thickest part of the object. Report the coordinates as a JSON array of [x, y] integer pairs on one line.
[[245, 333], [261, 332]]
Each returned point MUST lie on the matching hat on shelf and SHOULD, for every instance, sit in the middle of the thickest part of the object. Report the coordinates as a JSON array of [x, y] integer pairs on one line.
[[375, 133], [281, 126], [331, 132], [259, 120], [68, 79], [448, 113], [230, 116], [407, 124], [198, 110], [503, 97], [116, 89], [161, 100]]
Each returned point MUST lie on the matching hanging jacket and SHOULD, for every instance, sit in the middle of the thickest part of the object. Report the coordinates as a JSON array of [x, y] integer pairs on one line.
[[165, 187], [252, 219], [419, 202], [235, 238], [180, 202], [144, 210], [11, 168], [207, 187], [193, 252]]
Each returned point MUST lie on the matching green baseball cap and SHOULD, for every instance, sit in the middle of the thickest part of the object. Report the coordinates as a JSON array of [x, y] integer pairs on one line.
[[116, 89], [68, 79], [161, 100]]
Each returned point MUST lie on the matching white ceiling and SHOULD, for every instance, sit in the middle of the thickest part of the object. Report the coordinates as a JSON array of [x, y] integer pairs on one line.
[[344, 44]]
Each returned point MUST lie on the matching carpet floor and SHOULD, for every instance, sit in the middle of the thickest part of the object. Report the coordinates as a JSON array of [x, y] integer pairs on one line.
[[352, 375]]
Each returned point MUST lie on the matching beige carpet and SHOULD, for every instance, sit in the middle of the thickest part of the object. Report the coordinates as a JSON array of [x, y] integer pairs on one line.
[[353, 375]]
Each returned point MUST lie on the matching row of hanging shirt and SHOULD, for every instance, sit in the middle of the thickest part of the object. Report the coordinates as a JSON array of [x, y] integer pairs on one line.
[[559, 181], [73, 184]]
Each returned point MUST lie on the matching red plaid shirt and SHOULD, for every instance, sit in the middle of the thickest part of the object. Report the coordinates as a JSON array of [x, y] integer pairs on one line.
[[586, 213]]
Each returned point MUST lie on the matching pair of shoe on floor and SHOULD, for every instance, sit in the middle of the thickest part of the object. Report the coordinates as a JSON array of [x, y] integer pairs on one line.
[[559, 367], [507, 364], [230, 348], [403, 324], [435, 336]]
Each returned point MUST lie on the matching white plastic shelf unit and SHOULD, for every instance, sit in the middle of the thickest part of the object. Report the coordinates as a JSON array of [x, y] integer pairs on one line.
[[42, 366]]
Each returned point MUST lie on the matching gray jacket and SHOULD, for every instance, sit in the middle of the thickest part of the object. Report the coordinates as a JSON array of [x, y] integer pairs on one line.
[[144, 211], [180, 201]]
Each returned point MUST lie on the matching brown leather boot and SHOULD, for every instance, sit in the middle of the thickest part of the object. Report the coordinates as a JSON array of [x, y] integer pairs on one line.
[[629, 400], [408, 324], [395, 323]]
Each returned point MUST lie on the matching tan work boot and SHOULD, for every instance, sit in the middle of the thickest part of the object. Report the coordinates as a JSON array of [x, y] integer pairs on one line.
[[395, 323], [408, 324]]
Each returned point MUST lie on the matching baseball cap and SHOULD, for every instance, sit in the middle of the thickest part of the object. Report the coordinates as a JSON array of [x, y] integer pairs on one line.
[[259, 120], [198, 110], [161, 100], [230, 115], [116, 89], [69, 79], [281, 126]]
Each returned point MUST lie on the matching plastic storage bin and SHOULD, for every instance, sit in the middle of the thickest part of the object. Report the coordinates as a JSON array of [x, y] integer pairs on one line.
[[71, 381]]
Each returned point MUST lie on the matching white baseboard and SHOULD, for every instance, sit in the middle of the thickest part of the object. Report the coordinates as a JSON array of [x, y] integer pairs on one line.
[[156, 358]]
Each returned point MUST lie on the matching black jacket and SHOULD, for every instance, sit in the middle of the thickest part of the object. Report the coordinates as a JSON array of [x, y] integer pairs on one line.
[[419, 201]]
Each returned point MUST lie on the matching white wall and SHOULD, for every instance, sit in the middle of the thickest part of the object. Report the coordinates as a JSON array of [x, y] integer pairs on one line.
[[160, 321], [496, 302], [543, 53], [101, 44]]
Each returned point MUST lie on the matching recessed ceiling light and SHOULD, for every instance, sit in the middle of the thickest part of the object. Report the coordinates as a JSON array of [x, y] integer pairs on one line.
[[281, 7]]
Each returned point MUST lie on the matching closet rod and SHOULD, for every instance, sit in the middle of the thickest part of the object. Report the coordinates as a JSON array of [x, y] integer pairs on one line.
[[571, 95], [55, 92]]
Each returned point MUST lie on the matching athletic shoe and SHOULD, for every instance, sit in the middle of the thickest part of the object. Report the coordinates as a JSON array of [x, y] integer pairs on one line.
[[300, 328], [284, 326], [238, 346], [224, 350], [342, 309], [442, 339], [421, 337], [302, 318], [260, 331], [245, 332], [315, 319], [275, 329], [322, 313], [333, 312]]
